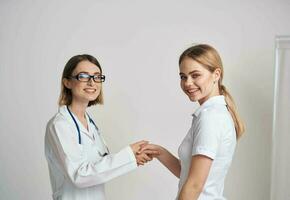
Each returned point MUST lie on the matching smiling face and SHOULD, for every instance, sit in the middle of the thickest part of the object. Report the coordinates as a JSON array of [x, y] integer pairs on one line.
[[84, 92], [197, 82]]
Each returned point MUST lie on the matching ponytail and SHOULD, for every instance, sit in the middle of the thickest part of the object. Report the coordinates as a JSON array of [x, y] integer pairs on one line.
[[239, 125]]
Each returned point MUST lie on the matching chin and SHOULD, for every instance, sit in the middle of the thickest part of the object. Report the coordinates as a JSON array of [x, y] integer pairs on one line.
[[92, 99], [193, 99]]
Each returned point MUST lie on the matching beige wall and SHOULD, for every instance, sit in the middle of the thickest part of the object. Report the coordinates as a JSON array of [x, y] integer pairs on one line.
[[138, 45]]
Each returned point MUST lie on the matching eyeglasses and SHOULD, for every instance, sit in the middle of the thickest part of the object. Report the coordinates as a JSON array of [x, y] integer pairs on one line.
[[83, 77]]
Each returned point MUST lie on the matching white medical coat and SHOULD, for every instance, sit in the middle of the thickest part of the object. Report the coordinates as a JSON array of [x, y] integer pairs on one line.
[[79, 171]]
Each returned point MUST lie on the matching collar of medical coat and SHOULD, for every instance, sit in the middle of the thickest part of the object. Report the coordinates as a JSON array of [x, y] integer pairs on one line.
[[63, 110], [220, 99]]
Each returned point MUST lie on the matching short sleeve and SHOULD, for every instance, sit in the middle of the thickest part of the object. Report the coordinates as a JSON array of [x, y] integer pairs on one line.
[[206, 134]]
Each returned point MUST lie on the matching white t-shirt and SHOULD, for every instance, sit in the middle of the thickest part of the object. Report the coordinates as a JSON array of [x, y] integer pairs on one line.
[[212, 134]]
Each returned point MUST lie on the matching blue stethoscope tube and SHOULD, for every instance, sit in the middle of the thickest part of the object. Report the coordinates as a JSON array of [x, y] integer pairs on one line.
[[78, 128]]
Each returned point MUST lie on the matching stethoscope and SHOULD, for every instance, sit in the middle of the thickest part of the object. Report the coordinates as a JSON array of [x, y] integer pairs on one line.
[[79, 132]]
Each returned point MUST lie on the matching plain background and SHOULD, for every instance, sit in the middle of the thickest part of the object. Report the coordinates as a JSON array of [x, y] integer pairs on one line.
[[138, 44]]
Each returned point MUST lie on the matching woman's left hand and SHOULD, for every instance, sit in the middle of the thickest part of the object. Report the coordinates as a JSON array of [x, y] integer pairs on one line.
[[146, 156], [136, 147]]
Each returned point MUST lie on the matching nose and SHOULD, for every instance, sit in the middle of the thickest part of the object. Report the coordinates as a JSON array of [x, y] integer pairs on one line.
[[188, 82], [91, 82]]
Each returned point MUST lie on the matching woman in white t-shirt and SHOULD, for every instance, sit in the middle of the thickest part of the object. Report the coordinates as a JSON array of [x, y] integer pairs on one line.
[[206, 152]]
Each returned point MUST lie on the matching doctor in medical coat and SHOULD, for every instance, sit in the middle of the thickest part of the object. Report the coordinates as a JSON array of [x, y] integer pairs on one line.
[[78, 159]]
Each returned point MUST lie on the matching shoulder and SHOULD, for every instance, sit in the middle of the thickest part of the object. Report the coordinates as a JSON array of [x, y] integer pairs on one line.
[[214, 117], [216, 113], [58, 120], [209, 114]]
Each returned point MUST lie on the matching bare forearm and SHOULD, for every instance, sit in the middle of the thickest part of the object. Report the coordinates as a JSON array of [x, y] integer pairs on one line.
[[169, 161], [189, 192], [198, 173]]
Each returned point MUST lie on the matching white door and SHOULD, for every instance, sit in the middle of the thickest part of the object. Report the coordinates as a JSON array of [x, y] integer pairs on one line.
[[280, 183]]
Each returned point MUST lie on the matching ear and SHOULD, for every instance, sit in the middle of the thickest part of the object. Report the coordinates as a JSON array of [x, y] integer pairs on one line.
[[67, 83], [217, 74]]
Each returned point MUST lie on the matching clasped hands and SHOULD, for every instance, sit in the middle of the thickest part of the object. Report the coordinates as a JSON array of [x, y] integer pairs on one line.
[[144, 152]]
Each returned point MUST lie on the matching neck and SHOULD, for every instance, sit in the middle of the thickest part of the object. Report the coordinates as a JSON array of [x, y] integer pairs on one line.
[[215, 92], [79, 109]]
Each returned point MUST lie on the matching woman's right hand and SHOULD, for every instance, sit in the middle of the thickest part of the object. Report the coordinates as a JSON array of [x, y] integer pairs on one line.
[[165, 157], [152, 148], [136, 147], [143, 156]]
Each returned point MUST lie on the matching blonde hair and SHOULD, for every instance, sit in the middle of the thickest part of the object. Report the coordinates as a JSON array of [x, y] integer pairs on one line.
[[65, 97], [208, 57]]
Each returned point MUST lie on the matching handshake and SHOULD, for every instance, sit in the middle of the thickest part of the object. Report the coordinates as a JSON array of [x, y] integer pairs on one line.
[[145, 152]]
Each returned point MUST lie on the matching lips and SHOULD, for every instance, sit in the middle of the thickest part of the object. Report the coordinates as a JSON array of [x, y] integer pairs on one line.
[[90, 90], [192, 91]]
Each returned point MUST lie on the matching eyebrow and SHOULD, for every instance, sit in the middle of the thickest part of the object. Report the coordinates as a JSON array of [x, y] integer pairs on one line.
[[194, 71]]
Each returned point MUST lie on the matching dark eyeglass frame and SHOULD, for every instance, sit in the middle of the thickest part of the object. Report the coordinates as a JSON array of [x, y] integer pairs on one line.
[[96, 78]]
